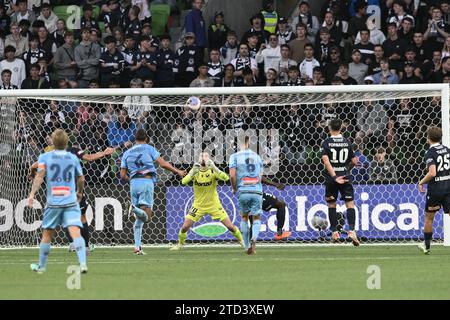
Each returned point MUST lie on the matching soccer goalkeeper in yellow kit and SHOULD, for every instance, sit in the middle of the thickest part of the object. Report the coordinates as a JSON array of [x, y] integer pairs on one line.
[[206, 200]]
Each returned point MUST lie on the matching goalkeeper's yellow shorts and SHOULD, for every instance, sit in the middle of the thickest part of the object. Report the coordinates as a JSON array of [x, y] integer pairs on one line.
[[196, 214]]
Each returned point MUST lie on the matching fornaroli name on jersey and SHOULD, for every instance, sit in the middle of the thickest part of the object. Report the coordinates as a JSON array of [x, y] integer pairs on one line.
[[338, 145]]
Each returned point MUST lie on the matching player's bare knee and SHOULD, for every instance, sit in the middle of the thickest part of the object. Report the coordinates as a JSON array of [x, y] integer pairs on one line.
[[256, 218], [47, 235], [350, 204], [330, 200], [148, 211], [74, 232], [280, 204]]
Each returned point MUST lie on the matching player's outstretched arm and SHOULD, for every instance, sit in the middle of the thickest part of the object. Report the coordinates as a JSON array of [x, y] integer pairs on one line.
[[428, 177], [38, 180], [166, 165], [33, 170], [99, 155], [267, 181]]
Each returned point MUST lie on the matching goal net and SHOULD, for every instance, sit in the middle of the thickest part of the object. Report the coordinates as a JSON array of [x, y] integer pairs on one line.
[[386, 125]]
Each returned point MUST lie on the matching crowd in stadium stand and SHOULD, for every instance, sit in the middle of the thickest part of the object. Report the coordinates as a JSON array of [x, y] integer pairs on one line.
[[113, 46]]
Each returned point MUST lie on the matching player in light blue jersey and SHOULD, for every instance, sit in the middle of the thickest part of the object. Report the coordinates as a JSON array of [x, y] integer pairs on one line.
[[246, 168], [138, 167], [65, 183]]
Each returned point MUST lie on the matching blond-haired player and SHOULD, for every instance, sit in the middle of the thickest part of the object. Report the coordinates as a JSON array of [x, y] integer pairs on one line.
[[205, 177]]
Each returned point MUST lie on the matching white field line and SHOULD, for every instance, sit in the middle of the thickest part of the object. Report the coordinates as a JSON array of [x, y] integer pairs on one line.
[[263, 245], [243, 259]]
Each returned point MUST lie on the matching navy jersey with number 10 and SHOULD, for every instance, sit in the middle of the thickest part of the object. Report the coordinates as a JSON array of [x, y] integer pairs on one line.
[[61, 170], [339, 151], [439, 155]]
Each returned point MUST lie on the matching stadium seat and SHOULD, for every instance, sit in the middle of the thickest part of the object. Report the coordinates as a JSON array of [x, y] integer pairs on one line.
[[96, 12], [160, 17], [101, 25]]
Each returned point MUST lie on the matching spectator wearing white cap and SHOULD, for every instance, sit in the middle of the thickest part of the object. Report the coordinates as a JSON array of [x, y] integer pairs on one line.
[[368, 80]]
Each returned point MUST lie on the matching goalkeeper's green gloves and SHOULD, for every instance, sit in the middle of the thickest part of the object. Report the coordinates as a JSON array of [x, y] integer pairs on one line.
[[195, 169], [210, 164]]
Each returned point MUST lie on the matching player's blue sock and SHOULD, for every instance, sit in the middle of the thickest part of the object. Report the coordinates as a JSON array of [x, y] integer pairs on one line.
[[80, 247], [138, 225], [244, 231], [44, 250], [255, 229]]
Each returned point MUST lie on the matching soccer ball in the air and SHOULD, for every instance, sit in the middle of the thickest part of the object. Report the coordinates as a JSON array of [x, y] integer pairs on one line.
[[319, 223], [194, 103]]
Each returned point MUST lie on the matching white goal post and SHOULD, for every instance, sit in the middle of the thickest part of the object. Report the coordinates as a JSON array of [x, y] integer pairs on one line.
[[386, 123]]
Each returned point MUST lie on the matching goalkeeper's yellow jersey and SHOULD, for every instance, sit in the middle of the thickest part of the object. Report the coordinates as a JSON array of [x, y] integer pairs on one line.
[[205, 182]]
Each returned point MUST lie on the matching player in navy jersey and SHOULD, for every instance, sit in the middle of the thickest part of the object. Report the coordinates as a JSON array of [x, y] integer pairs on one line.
[[65, 183], [272, 202], [82, 156], [246, 168], [338, 159], [138, 167], [437, 161]]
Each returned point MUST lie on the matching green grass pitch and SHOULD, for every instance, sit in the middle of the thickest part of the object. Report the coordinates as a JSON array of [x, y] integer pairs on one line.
[[282, 272]]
